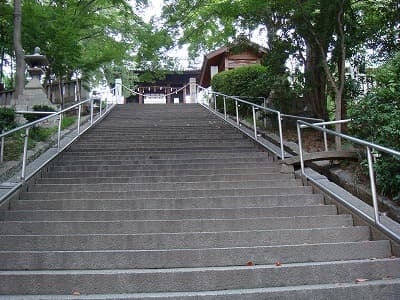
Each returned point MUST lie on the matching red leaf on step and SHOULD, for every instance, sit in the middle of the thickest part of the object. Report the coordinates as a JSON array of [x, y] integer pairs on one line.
[[392, 257], [250, 263], [76, 293], [278, 264], [359, 280], [387, 278]]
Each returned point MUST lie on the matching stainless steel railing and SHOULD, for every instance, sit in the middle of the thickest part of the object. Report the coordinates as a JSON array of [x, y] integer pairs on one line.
[[254, 107], [77, 108], [370, 147]]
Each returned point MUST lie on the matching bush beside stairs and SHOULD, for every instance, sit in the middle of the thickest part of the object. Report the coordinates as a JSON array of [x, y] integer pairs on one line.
[[170, 202]]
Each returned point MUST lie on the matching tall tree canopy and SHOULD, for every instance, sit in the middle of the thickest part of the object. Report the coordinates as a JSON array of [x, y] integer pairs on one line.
[[86, 38], [320, 34]]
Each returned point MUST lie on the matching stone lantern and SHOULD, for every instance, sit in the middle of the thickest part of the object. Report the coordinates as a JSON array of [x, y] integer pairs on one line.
[[33, 93]]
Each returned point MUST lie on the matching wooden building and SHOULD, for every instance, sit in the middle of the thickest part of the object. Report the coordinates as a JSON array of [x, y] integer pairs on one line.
[[172, 88], [240, 53]]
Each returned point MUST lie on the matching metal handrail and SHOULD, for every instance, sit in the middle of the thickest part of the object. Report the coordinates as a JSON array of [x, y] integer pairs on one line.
[[58, 114], [43, 119], [35, 112], [369, 146], [280, 116], [254, 108]]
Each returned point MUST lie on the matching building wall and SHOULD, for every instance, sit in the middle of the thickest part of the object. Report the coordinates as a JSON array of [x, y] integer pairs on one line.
[[233, 61]]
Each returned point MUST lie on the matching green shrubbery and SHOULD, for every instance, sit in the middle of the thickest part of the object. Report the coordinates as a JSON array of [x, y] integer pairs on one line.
[[249, 81], [7, 118], [376, 118], [255, 82]]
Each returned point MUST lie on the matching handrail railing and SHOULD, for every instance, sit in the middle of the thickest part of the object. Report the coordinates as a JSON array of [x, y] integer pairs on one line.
[[369, 147], [255, 107], [26, 127], [320, 125]]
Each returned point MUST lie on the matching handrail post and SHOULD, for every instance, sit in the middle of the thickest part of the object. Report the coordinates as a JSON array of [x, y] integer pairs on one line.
[[254, 122], [25, 155], [100, 108], [373, 186], [281, 135], [2, 147], [59, 133], [79, 119], [91, 112], [237, 112], [215, 102], [325, 139], [225, 108], [300, 148]]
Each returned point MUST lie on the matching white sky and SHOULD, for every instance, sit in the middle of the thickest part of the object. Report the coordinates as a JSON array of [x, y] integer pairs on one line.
[[154, 9]]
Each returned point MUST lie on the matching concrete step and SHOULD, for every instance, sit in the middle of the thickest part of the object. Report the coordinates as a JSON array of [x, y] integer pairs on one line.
[[171, 226], [386, 289], [101, 148], [178, 186], [194, 279], [171, 166], [191, 258], [161, 144], [130, 194], [164, 179], [70, 156], [130, 160], [168, 214], [158, 151], [164, 173], [184, 240], [152, 137], [170, 203], [183, 149]]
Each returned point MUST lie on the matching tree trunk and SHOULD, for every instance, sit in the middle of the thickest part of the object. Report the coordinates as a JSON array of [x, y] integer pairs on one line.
[[19, 52], [61, 90], [2, 65], [315, 81]]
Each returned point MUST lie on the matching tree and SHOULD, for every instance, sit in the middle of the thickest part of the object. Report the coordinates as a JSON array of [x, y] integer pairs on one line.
[[376, 119], [78, 37], [6, 26], [319, 32], [218, 21], [19, 52]]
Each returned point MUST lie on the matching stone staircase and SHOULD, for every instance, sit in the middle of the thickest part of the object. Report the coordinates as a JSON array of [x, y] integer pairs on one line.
[[169, 202]]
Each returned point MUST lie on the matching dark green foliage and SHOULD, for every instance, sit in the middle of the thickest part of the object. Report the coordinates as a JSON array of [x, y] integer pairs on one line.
[[254, 83], [376, 119], [7, 118], [249, 81], [40, 134], [33, 117]]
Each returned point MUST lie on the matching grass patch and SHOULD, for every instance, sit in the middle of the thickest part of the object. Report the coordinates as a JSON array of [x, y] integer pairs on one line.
[[14, 144]]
